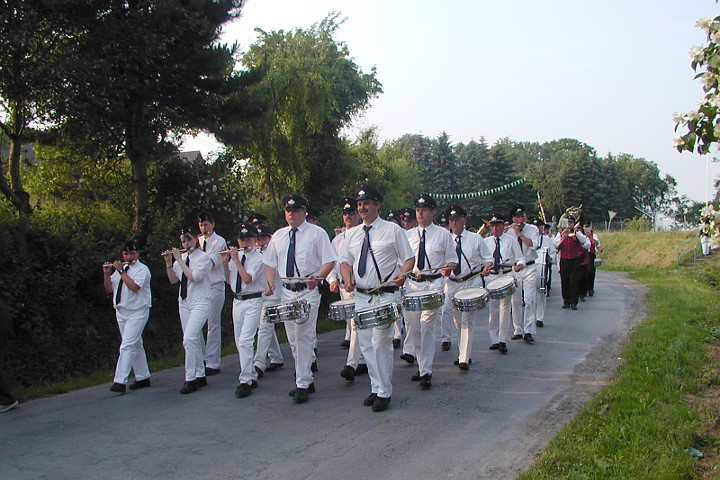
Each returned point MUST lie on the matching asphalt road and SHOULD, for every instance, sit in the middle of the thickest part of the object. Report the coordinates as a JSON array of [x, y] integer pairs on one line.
[[490, 422]]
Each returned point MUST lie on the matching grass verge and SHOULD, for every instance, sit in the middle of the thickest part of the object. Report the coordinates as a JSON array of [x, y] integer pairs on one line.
[[639, 427]]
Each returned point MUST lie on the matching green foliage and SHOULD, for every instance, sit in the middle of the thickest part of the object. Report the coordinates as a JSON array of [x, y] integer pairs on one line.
[[638, 224]]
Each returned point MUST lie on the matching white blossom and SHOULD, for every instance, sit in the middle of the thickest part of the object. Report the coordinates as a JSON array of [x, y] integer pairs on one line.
[[704, 23], [696, 53], [678, 117]]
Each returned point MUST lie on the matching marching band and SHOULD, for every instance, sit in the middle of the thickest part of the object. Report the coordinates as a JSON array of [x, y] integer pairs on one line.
[[404, 275]]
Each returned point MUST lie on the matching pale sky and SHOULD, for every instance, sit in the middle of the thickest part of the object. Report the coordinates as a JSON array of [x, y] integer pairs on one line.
[[610, 74]]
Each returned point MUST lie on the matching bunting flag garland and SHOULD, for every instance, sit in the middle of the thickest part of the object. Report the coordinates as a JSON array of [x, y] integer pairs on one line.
[[492, 191]]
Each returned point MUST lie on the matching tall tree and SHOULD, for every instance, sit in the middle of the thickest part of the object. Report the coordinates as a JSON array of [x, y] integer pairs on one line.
[[311, 89], [147, 71]]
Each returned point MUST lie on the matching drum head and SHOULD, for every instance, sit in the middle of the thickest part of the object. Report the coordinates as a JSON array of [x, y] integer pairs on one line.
[[499, 283], [349, 301], [469, 293], [423, 293]]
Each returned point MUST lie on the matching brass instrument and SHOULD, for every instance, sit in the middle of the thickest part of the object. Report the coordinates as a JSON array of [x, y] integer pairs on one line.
[[563, 220]]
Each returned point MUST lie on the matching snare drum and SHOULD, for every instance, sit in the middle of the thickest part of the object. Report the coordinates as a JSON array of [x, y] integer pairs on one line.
[[425, 300], [470, 299], [597, 262], [501, 287], [297, 312], [342, 309], [382, 314]]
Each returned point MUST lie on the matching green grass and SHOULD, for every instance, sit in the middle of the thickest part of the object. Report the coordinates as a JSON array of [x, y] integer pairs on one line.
[[638, 427]]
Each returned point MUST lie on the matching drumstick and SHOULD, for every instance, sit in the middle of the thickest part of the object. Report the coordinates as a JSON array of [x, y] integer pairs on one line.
[[301, 278], [385, 284]]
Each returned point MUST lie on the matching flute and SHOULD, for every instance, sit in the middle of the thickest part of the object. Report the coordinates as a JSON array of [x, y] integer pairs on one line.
[[169, 252], [109, 264]]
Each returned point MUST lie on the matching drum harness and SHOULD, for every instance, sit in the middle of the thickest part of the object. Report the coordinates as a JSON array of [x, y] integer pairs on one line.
[[376, 295]]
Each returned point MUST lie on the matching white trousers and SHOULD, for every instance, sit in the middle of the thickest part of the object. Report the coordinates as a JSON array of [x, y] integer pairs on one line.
[[446, 315], [268, 347], [540, 297], [246, 317], [214, 335], [524, 318], [192, 319], [301, 336], [420, 327], [705, 242], [499, 318], [132, 354], [464, 321], [355, 355], [376, 344]]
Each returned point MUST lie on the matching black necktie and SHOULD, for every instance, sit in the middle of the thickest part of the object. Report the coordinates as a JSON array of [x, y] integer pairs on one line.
[[118, 295], [421, 252], [458, 250], [183, 281], [496, 253], [362, 266], [204, 245], [238, 281], [290, 266]]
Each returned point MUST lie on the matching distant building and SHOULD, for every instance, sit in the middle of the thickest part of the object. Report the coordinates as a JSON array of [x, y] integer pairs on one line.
[[194, 157]]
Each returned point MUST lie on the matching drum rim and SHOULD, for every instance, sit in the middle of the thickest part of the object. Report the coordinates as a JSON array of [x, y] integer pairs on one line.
[[506, 281], [422, 293], [468, 290]]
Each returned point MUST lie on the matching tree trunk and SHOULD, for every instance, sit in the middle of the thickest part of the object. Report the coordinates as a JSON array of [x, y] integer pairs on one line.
[[138, 151]]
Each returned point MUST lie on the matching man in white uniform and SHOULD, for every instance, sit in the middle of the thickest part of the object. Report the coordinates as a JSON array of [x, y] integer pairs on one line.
[[212, 243], [268, 347], [242, 266], [370, 258], [302, 252], [435, 259], [473, 257], [546, 252], [130, 289], [527, 237], [507, 260]]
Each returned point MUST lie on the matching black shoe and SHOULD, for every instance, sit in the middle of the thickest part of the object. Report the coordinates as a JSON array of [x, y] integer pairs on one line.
[[380, 404], [117, 388], [494, 346], [348, 373], [139, 384], [445, 346], [416, 377], [243, 390], [529, 338], [345, 344], [582, 298], [211, 371], [591, 293], [566, 305], [464, 366], [259, 371], [573, 306], [517, 336], [361, 369], [396, 343], [310, 389], [274, 366], [502, 347], [370, 400], [425, 382], [201, 382], [540, 323], [315, 351], [254, 384], [408, 358], [313, 367], [457, 360], [189, 387], [301, 395]]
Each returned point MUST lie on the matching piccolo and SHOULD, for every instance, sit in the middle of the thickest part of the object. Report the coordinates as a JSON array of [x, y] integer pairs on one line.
[[108, 264], [169, 252]]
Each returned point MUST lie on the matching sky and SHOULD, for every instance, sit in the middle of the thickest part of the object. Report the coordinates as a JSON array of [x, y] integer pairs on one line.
[[609, 74]]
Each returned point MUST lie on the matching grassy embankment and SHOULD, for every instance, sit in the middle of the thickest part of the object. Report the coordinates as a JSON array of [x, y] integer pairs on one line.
[[665, 397]]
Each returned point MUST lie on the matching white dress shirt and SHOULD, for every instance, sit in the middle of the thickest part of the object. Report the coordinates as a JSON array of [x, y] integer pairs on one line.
[[531, 232], [439, 246], [212, 245], [509, 249], [312, 250], [199, 290], [389, 246], [130, 300], [475, 253], [254, 267]]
